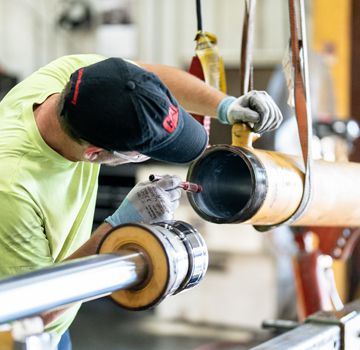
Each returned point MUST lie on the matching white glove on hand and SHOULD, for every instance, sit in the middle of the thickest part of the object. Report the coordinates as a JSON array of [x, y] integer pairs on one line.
[[149, 202], [256, 108]]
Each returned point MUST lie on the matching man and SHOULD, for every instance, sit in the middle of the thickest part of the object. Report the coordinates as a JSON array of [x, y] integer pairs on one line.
[[55, 132]]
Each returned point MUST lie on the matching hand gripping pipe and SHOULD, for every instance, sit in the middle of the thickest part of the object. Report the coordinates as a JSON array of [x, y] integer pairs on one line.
[[246, 185], [141, 264]]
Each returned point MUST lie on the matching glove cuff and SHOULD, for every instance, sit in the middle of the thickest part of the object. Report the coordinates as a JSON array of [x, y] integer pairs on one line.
[[125, 214], [223, 107], [110, 221]]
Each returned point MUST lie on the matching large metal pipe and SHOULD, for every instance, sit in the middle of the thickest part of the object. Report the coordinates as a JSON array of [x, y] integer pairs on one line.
[[81, 279], [258, 187]]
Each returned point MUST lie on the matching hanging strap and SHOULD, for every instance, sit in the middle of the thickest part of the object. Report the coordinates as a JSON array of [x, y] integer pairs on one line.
[[247, 48], [199, 16], [302, 98], [302, 104]]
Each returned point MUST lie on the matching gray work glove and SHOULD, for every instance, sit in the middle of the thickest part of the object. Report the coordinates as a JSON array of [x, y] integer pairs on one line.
[[256, 108], [149, 202]]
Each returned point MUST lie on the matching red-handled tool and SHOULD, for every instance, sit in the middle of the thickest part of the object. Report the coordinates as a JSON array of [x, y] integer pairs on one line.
[[185, 185]]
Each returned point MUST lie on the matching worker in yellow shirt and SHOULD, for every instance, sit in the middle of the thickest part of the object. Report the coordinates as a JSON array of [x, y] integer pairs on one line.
[[57, 127]]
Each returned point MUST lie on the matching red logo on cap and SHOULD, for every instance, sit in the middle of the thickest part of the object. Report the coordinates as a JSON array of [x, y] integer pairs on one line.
[[171, 120], [77, 84]]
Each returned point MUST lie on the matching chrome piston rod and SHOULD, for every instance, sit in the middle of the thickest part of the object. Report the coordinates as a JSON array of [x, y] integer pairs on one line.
[[140, 265], [76, 280]]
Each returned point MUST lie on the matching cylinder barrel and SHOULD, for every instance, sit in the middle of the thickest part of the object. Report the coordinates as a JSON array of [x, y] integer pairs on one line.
[[244, 185]]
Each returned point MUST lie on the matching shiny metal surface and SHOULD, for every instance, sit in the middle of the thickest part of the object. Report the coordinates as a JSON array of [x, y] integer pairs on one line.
[[81, 279], [196, 250], [187, 254], [233, 182], [305, 337], [176, 255], [323, 330], [129, 270]]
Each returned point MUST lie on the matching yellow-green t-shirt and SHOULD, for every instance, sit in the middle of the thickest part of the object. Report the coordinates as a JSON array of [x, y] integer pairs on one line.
[[47, 202]]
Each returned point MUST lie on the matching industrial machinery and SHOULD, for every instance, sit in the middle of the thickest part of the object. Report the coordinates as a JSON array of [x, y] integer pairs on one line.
[[139, 264], [335, 330]]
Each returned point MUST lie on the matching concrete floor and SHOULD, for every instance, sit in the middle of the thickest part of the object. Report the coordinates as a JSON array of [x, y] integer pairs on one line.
[[101, 324]]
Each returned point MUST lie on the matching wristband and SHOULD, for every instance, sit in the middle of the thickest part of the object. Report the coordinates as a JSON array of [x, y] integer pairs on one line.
[[223, 107], [126, 213]]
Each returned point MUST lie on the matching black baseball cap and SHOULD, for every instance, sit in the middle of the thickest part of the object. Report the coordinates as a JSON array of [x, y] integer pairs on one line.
[[116, 105]]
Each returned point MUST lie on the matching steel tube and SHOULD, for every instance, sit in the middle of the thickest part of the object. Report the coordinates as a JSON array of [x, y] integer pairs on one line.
[[246, 185], [77, 280]]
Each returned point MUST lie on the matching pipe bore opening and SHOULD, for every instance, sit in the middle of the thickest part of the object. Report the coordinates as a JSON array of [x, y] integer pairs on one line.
[[228, 185]]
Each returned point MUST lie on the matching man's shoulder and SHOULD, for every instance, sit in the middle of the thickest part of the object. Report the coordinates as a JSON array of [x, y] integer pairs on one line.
[[72, 62]]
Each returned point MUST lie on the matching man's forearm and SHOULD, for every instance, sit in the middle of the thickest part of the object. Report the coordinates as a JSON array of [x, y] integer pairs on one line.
[[90, 246], [87, 249], [192, 93]]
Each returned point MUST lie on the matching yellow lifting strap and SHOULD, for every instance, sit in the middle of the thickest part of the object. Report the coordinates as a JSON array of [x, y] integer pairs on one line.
[[207, 64], [211, 62]]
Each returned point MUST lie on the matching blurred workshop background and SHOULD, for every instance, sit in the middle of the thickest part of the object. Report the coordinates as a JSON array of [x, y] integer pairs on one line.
[[250, 277]]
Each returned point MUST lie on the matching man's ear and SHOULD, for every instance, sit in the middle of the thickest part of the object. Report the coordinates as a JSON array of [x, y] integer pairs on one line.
[[92, 153]]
